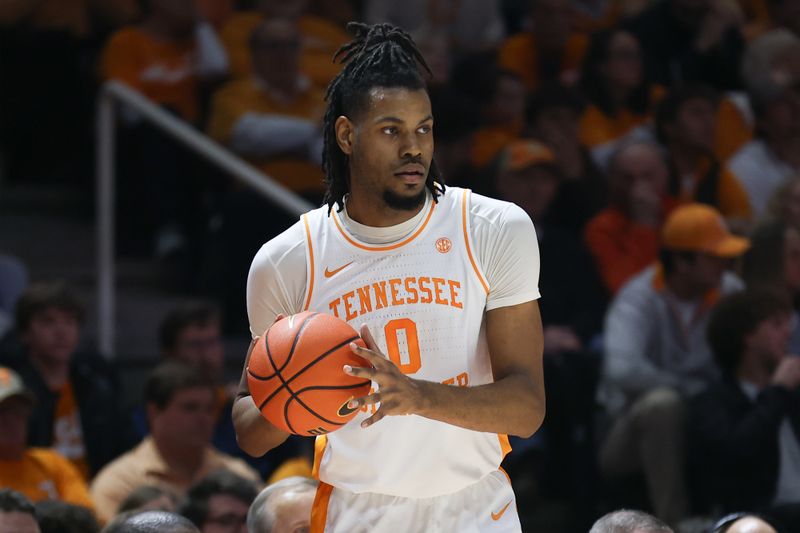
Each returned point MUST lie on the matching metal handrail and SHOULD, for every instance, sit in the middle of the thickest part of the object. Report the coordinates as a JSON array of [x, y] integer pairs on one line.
[[113, 92]]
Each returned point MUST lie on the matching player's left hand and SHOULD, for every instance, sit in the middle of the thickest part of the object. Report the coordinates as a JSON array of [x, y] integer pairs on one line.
[[398, 394]]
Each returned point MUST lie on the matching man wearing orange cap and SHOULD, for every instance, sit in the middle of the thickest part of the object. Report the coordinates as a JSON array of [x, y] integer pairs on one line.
[[656, 353]]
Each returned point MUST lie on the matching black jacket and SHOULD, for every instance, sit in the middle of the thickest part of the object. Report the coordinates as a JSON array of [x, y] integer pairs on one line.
[[733, 444], [105, 425]]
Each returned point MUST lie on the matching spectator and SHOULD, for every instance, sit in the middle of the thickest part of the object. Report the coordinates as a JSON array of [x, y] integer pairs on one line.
[[743, 430], [771, 73], [178, 452], [77, 394], [171, 58], [656, 353], [191, 334], [685, 126], [60, 517], [471, 25], [284, 506], [166, 56], [320, 37], [552, 117], [219, 502], [550, 52], [17, 514], [621, 98], [773, 262], [273, 118], [38, 473], [572, 314], [624, 237], [500, 98], [149, 498], [626, 521], [150, 522], [690, 40]]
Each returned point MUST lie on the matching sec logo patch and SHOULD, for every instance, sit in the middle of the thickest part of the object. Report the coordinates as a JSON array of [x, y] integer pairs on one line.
[[443, 245]]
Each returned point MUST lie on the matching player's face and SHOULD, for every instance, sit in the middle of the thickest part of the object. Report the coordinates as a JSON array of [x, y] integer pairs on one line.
[[52, 335], [390, 147], [200, 346]]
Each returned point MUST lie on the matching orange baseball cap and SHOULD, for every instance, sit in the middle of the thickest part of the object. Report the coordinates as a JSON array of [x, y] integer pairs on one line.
[[701, 228], [524, 153]]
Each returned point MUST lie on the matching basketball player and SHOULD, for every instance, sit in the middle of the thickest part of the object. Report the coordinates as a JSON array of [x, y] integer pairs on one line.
[[443, 285]]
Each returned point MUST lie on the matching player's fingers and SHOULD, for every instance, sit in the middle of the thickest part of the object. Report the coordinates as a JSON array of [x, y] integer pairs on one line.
[[374, 418], [370, 399], [359, 371], [373, 357], [369, 340]]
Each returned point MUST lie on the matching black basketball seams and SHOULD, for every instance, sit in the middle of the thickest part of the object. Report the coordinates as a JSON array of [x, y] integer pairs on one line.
[[288, 358], [307, 408], [285, 382]]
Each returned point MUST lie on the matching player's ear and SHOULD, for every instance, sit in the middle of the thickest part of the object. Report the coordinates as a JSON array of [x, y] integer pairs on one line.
[[344, 134]]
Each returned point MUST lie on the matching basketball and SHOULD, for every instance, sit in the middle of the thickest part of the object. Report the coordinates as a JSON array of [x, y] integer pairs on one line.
[[295, 373]]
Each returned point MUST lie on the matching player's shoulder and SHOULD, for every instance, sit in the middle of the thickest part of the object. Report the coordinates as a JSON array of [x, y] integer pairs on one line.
[[497, 214]]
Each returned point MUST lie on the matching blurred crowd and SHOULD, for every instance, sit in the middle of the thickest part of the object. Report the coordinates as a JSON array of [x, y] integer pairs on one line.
[[654, 143]]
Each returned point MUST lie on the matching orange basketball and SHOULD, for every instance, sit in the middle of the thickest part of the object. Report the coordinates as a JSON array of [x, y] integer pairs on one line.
[[295, 373]]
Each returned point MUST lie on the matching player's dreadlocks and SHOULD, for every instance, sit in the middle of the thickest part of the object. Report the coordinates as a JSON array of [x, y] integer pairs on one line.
[[379, 56]]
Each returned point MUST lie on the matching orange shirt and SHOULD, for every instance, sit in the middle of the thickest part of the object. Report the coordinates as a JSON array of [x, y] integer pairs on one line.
[[239, 97], [163, 71], [520, 54], [68, 432], [42, 474], [597, 128], [732, 130], [321, 39], [621, 248], [488, 141], [732, 200]]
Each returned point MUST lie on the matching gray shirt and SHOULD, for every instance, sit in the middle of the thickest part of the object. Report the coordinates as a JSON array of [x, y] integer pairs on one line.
[[648, 343]]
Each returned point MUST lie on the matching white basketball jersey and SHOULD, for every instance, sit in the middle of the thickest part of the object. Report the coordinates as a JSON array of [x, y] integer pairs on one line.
[[423, 299]]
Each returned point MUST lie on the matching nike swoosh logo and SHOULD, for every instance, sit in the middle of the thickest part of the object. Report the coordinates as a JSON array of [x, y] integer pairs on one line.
[[331, 273], [498, 515]]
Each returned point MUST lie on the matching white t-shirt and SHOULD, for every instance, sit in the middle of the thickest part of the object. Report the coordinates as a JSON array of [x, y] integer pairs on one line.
[[505, 243], [760, 172]]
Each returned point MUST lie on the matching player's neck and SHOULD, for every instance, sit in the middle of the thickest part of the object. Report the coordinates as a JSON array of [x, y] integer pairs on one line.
[[375, 213]]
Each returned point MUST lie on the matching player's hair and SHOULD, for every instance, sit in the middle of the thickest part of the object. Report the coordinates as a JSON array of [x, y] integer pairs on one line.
[[169, 378], [43, 295], [12, 501], [738, 315], [189, 314], [61, 517], [628, 521], [195, 506], [380, 55], [261, 516]]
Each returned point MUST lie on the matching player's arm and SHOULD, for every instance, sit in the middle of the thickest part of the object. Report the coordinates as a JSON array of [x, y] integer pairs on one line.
[[255, 435], [514, 404]]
